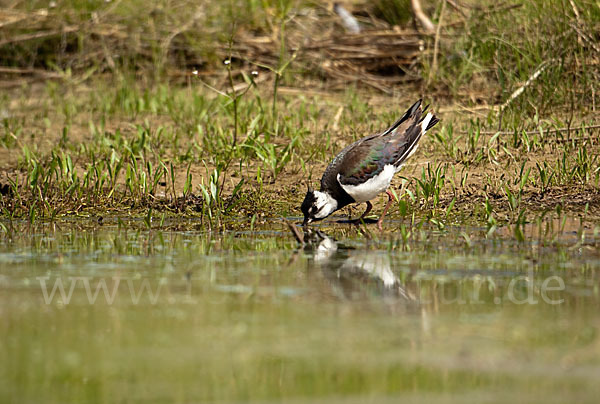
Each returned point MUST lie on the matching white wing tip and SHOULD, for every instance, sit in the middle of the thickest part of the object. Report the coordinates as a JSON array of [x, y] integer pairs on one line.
[[425, 122]]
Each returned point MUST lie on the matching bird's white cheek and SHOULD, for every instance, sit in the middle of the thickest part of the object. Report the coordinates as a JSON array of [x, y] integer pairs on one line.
[[325, 211], [321, 214]]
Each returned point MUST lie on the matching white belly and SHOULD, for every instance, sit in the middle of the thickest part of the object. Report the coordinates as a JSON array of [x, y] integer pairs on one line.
[[371, 188]]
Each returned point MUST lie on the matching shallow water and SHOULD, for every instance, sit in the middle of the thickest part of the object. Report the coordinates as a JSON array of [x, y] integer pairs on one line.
[[188, 316]]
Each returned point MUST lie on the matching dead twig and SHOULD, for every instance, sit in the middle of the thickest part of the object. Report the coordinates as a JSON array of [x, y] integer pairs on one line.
[[38, 35], [456, 7], [434, 64], [295, 232], [33, 72], [421, 16], [533, 132], [584, 37], [527, 83], [9, 17]]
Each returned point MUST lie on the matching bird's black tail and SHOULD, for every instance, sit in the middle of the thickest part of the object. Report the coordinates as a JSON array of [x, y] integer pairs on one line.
[[423, 121]]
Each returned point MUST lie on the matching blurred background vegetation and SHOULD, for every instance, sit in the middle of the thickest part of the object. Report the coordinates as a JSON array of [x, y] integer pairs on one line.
[[110, 98], [485, 50]]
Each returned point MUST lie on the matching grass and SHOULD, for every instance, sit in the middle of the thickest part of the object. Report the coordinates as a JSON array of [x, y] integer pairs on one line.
[[129, 137]]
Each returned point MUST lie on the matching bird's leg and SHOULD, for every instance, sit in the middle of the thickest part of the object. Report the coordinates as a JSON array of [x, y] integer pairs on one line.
[[369, 207], [387, 206]]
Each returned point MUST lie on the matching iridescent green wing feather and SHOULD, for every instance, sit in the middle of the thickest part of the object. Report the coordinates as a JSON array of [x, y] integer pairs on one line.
[[364, 162]]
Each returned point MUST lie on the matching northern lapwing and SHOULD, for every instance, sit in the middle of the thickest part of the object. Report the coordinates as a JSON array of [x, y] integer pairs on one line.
[[365, 168]]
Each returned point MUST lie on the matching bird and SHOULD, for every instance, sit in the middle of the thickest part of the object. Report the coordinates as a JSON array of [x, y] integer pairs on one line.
[[364, 169]]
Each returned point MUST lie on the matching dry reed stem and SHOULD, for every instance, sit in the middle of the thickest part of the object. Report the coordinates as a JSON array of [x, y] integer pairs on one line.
[[533, 132], [421, 16], [434, 64], [527, 83]]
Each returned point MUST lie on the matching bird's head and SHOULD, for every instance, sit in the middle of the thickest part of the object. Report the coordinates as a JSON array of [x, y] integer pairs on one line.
[[317, 205]]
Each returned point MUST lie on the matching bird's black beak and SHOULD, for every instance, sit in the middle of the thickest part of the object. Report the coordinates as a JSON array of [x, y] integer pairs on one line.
[[306, 221]]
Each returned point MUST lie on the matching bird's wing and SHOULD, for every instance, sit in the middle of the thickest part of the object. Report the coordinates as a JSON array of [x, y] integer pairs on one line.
[[364, 161], [366, 158]]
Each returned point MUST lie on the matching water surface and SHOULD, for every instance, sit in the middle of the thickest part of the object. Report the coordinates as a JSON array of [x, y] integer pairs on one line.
[[189, 316]]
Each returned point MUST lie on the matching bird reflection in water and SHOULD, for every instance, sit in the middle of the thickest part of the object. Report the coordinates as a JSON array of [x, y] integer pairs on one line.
[[352, 273]]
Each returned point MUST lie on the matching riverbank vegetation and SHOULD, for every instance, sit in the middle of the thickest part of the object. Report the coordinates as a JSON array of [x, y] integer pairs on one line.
[[230, 109]]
